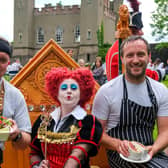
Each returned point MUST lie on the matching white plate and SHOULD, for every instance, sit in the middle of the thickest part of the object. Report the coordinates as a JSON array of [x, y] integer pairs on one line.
[[4, 134], [136, 161]]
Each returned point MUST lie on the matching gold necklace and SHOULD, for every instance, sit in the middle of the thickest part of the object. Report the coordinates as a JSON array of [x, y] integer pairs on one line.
[[1, 98]]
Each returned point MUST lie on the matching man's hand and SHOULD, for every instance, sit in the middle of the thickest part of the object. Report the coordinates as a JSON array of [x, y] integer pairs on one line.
[[123, 148], [151, 151], [14, 130]]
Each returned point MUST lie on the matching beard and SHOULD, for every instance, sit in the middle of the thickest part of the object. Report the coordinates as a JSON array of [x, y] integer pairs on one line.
[[136, 76]]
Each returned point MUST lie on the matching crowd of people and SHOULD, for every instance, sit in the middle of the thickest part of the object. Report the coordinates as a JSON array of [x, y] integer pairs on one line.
[[97, 68], [125, 108], [160, 67]]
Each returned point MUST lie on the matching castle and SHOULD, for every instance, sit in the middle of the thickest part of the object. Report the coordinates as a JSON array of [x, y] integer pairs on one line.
[[72, 27]]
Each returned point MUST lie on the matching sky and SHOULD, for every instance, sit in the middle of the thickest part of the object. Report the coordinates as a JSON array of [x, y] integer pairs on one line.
[[7, 15]]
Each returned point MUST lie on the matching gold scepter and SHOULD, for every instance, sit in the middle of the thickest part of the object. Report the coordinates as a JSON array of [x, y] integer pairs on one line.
[[45, 122]]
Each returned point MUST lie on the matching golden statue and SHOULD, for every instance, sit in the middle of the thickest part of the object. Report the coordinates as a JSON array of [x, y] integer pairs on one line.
[[123, 30]]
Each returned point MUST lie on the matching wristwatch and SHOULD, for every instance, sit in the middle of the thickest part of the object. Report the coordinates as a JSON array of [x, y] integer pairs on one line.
[[18, 137]]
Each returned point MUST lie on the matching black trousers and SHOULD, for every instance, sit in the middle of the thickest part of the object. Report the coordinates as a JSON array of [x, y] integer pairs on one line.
[[1, 157]]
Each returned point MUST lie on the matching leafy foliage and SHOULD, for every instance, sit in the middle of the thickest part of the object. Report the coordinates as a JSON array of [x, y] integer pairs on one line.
[[161, 46], [103, 50], [160, 21], [102, 47]]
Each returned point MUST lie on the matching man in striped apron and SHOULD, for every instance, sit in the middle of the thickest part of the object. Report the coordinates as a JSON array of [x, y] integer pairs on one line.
[[128, 107]]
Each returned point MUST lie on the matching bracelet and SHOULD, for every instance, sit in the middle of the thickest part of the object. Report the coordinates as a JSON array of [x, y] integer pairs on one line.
[[75, 158], [82, 149], [18, 137]]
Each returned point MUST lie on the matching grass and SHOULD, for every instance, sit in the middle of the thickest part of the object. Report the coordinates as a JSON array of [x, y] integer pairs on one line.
[[165, 82], [155, 132]]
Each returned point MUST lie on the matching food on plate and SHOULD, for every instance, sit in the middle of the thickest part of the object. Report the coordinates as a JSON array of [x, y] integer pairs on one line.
[[5, 122], [5, 128], [137, 151]]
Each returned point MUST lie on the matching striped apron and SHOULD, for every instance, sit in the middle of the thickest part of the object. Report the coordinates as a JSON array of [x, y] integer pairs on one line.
[[136, 124]]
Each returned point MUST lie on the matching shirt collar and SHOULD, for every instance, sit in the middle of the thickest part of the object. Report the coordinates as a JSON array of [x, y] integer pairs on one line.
[[78, 113]]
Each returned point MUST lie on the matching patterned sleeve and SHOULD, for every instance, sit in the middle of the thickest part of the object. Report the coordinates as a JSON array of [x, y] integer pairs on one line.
[[35, 142], [90, 133]]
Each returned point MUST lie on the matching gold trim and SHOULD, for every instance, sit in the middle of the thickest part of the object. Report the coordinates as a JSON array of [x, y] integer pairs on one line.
[[61, 137], [55, 137]]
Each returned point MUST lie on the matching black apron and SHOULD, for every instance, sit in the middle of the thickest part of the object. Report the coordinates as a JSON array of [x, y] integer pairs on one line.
[[136, 124]]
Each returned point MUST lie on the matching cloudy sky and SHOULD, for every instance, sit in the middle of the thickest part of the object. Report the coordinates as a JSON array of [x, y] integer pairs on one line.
[[6, 15]]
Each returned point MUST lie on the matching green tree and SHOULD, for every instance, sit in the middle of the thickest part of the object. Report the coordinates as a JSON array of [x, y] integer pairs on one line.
[[60, 3], [160, 22], [102, 47]]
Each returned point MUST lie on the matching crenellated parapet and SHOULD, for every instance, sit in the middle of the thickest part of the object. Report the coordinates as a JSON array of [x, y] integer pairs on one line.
[[48, 9]]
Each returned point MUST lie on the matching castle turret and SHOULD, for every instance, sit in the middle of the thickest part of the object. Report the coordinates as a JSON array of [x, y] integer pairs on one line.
[[93, 14], [23, 28]]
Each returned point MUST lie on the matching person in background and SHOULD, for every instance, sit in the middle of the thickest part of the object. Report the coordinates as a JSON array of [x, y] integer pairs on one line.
[[166, 67], [128, 107], [70, 52], [12, 105], [98, 71], [14, 68], [150, 65], [160, 69], [81, 62], [73, 136]]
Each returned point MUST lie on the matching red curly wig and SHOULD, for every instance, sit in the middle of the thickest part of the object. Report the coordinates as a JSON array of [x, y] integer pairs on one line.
[[82, 76]]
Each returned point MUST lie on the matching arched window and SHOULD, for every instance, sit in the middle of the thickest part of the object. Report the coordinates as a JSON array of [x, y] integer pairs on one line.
[[40, 35], [59, 34], [77, 33]]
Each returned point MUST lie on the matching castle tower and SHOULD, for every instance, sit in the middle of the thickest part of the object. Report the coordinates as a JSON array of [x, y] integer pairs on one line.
[[89, 22], [93, 13], [23, 28]]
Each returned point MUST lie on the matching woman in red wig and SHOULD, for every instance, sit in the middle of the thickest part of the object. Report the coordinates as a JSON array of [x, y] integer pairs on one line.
[[72, 136]]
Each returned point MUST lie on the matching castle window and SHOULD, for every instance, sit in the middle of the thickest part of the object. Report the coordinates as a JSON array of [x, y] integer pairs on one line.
[[40, 35], [89, 34], [77, 33], [59, 34], [20, 36], [89, 1]]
